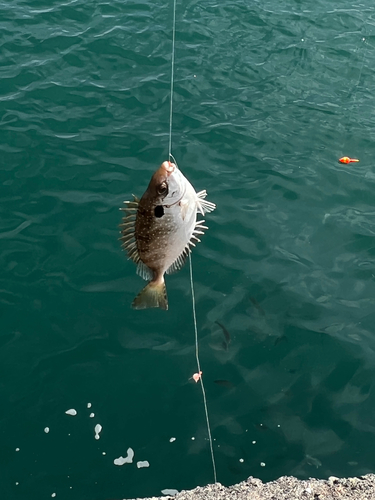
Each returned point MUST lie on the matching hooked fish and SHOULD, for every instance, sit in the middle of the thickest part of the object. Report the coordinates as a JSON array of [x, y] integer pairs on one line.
[[159, 230]]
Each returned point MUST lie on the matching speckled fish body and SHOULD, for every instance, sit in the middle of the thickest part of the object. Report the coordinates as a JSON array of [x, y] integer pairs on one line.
[[159, 229]]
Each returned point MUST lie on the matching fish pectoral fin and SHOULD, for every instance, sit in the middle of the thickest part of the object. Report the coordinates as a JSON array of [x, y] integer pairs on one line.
[[184, 208], [153, 295]]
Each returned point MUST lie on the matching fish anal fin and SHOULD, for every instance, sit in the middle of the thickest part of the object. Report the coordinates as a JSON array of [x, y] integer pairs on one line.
[[179, 262], [144, 271], [152, 295]]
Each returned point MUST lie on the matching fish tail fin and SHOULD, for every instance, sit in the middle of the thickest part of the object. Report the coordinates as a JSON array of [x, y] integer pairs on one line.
[[152, 295]]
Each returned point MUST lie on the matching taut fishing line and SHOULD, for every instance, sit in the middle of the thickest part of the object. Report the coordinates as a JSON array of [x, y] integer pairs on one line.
[[190, 263]]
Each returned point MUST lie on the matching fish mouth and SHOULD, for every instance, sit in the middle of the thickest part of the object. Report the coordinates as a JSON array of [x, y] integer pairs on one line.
[[169, 167]]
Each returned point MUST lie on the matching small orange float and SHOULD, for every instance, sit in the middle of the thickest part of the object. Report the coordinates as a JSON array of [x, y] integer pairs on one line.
[[346, 159]]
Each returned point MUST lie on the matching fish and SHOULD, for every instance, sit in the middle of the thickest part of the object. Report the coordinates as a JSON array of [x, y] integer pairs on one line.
[[160, 229], [257, 306], [226, 335], [224, 383], [281, 338]]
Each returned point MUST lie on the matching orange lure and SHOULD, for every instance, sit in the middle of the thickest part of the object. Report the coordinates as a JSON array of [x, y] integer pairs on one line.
[[346, 159]]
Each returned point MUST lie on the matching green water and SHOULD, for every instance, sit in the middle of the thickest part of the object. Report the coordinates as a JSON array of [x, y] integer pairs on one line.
[[268, 95]]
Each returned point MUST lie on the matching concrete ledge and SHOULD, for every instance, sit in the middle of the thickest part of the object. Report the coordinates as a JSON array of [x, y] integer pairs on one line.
[[285, 488]]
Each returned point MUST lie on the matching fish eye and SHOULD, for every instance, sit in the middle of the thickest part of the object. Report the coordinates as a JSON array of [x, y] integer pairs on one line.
[[163, 188]]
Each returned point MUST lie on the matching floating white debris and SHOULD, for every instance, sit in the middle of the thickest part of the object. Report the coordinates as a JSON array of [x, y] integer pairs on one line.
[[168, 491], [88, 405], [104, 453], [127, 460], [72, 412], [98, 429], [278, 425], [17, 484], [92, 415], [53, 495], [172, 439], [192, 438], [46, 430], [262, 464], [253, 442], [241, 460], [142, 464], [17, 449]]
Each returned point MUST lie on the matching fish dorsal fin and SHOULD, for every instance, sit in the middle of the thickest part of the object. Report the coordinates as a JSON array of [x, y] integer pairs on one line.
[[203, 205], [128, 232]]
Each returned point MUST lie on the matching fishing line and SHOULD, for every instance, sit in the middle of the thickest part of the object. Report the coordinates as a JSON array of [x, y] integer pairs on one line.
[[191, 267], [172, 79], [199, 368]]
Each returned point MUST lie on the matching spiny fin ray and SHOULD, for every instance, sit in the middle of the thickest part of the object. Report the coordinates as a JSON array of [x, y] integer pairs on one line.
[[203, 205], [128, 230]]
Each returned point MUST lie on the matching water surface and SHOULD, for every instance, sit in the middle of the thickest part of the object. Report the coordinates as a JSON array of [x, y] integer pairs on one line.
[[268, 95]]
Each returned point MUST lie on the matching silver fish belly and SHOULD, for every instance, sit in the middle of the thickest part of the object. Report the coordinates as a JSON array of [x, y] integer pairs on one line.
[[159, 230]]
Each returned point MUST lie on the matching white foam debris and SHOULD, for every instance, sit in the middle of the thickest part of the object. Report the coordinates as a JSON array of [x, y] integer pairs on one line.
[[142, 464], [192, 438], [127, 460], [98, 429], [17, 483], [278, 425], [53, 495], [92, 415], [253, 442], [72, 412], [46, 430], [104, 453], [88, 405], [172, 439], [17, 449], [262, 464], [169, 491], [241, 460]]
